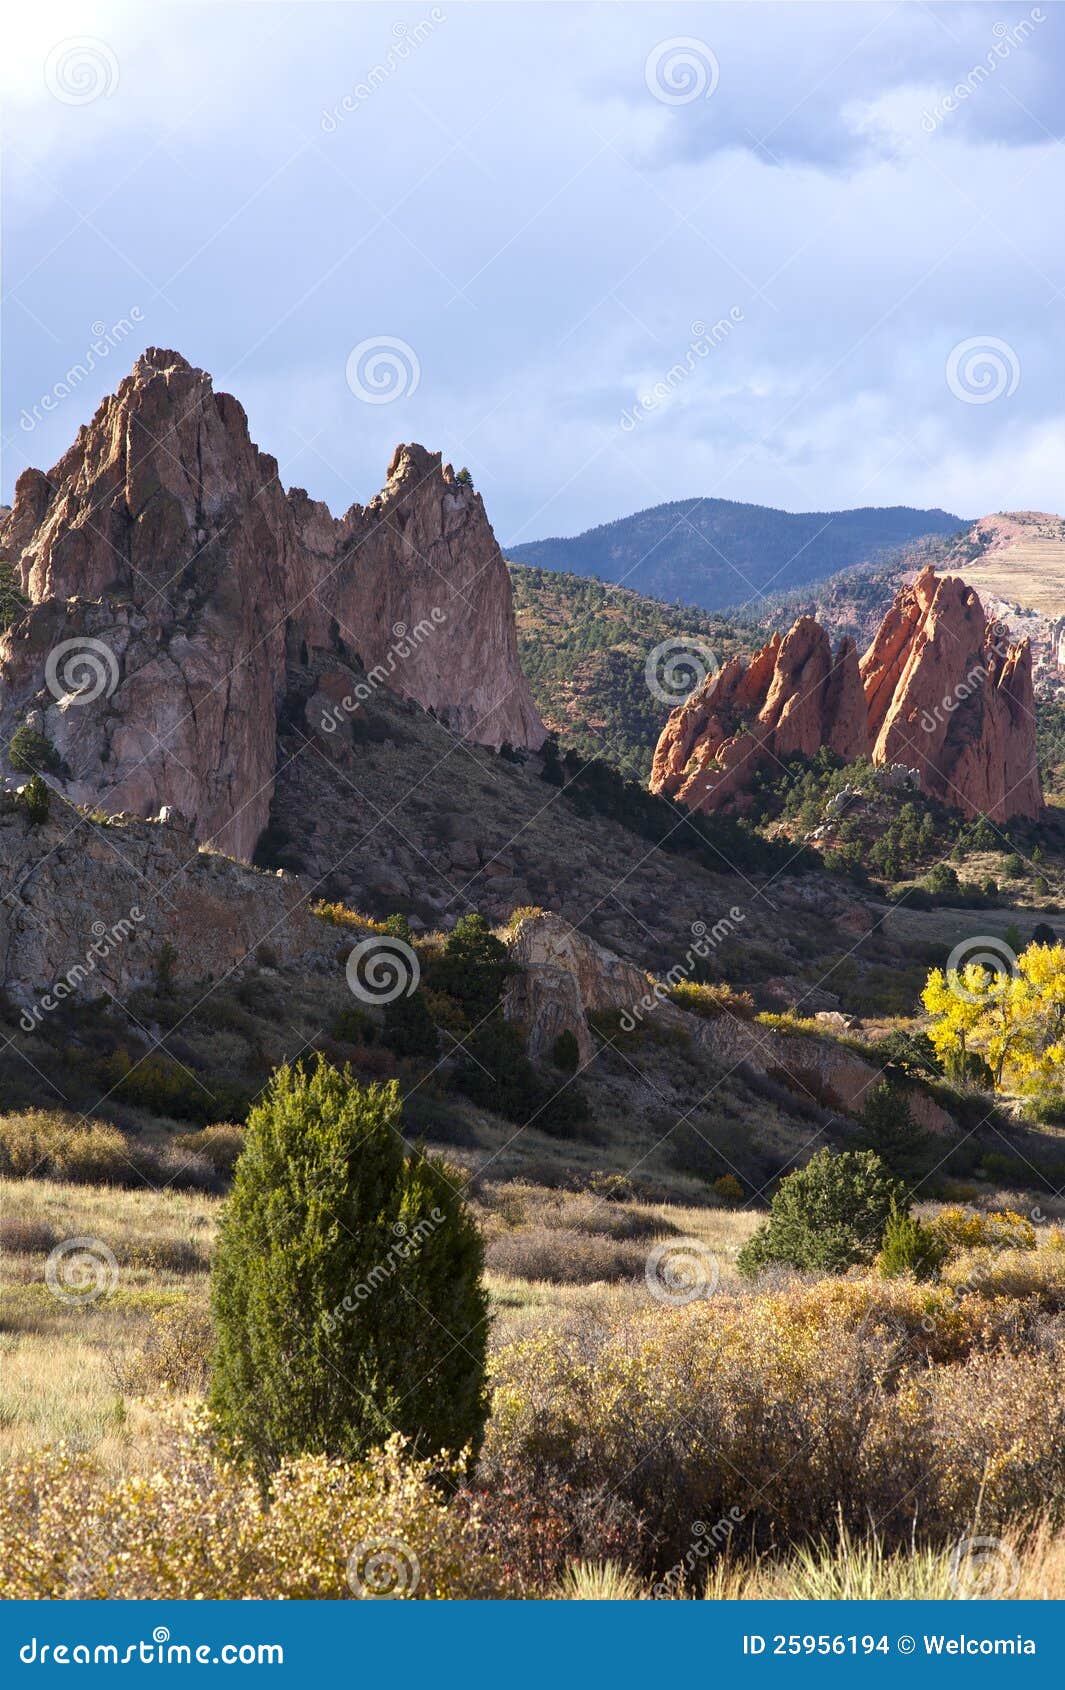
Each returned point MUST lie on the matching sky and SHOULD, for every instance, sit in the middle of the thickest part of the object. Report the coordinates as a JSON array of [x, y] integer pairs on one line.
[[604, 256]]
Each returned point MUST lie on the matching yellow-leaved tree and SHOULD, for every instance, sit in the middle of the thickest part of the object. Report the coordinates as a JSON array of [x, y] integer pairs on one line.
[[1012, 1021]]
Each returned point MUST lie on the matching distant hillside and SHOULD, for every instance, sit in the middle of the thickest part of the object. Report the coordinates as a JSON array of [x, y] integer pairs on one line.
[[714, 552], [584, 648], [1014, 559]]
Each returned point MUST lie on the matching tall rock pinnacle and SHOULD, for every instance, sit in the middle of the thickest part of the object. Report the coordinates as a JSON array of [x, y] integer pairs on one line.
[[171, 577]]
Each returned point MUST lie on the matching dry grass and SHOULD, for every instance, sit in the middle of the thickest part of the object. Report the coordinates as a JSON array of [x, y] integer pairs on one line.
[[62, 1361], [1029, 1566]]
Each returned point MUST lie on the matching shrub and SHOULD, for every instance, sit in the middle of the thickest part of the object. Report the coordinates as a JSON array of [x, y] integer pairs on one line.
[[1000, 1229], [913, 1054], [346, 1290], [25, 1237], [806, 1411], [354, 1027], [911, 1247], [32, 753], [827, 1216], [713, 1001], [473, 967], [497, 1074], [219, 1145], [175, 1354], [196, 1529], [565, 1052], [728, 1190], [44, 1145], [565, 1256], [36, 800], [408, 1029]]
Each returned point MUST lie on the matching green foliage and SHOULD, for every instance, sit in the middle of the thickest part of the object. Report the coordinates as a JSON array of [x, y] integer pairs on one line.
[[825, 1217], [13, 600], [473, 967], [911, 1247], [36, 800], [584, 648], [889, 1129], [346, 1290], [399, 928], [911, 1054], [496, 1074], [565, 1052], [32, 753], [409, 1030]]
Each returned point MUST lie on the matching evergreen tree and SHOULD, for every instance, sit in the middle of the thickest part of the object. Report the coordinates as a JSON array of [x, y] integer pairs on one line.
[[889, 1129], [346, 1289], [827, 1216]]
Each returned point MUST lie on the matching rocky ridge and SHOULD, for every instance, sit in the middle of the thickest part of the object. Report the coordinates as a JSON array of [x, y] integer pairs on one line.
[[940, 689], [171, 579]]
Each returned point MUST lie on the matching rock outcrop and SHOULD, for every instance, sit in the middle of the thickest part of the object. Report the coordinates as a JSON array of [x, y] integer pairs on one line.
[[90, 912], [948, 693], [171, 578], [940, 690], [794, 695], [560, 977]]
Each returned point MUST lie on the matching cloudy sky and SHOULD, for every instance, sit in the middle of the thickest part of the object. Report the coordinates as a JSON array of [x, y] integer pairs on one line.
[[508, 231]]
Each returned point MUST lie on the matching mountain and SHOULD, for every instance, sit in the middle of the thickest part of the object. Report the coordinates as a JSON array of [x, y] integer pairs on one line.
[[592, 654], [714, 553], [171, 581]]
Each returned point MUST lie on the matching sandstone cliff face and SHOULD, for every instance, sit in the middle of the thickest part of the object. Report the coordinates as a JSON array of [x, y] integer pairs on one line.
[[939, 690], [795, 695], [170, 577], [947, 693]]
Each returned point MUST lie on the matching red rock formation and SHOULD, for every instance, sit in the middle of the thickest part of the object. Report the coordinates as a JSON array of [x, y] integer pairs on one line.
[[940, 690], [948, 695], [794, 696], [170, 576]]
